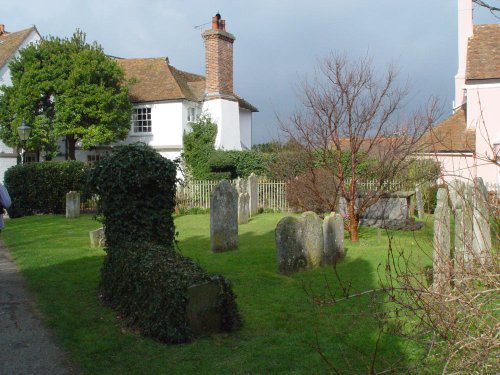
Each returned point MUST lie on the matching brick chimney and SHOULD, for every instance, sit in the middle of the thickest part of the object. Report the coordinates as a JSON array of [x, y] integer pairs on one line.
[[218, 59], [2, 28]]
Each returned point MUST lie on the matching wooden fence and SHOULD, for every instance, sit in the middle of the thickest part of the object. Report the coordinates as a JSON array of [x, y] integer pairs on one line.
[[196, 194]]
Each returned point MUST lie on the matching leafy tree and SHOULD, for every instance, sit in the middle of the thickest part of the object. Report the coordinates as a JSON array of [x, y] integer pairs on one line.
[[199, 147], [65, 88]]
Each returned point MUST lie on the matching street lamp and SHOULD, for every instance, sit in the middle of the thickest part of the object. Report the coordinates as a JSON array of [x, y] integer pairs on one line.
[[24, 132]]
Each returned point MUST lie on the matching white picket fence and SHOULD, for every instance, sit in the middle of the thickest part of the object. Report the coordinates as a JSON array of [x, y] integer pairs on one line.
[[196, 194], [272, 193]]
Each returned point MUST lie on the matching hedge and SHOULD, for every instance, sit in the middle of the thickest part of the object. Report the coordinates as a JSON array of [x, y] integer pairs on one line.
[[40, 188]]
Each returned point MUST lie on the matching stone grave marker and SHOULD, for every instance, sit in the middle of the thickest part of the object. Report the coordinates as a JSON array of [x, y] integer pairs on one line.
[[481, 242], [243, 208], [223, 218], [333, 238], [442, 243], [72, 205], [253, 191]]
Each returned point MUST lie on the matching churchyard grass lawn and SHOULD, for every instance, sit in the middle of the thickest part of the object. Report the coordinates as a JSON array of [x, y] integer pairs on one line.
[[282, 327]]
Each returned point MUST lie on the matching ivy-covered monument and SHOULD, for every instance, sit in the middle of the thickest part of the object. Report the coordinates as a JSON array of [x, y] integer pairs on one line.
[[156, 289]]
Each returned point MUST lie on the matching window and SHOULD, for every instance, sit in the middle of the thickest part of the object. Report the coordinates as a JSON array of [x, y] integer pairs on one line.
[[92, 159], [141, 120], [30, 158], [191, 114]]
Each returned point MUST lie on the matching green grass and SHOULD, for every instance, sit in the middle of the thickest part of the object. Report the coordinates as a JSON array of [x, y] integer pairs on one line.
[[282, 325]]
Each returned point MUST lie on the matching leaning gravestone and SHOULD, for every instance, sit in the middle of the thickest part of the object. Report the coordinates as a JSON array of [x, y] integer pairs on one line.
[[72, 205], [333, 238], [253, 191], [243, 208], [202, 310], [289, 250], [481, 242], [442, 243], [223, 218]]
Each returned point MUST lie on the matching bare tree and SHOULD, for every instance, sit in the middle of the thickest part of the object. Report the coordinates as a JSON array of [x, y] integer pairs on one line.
[[351, 123], [487, 4]]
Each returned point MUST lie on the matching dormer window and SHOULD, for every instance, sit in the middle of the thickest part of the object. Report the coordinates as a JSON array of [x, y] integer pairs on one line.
[[141, 120]]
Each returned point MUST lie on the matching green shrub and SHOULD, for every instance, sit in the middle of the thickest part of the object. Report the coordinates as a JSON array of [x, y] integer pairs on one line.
[[148, 283], [40, 188], [239, 163]]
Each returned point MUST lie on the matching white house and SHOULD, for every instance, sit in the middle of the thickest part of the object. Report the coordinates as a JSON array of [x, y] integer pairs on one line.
[[165, 99], [10, 45], [467, 144]]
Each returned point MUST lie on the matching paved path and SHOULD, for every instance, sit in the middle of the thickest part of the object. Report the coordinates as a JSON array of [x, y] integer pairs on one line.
[[26, 347]]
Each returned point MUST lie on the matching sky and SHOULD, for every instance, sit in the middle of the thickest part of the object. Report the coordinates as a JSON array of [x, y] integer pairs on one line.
[[278, 43]]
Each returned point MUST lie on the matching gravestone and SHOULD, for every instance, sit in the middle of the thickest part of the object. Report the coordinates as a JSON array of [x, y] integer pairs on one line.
[[420, 202], [442, 243], [241, 185], [253, 191], [460, 197], [333, 238], [243, 208], [289, 249], [202, 310], [97, 238], [481, 242], [72, 205], [223, 218], [312, 238]]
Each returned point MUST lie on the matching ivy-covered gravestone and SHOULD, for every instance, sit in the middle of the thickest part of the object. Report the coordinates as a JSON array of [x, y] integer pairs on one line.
[[143, 276]]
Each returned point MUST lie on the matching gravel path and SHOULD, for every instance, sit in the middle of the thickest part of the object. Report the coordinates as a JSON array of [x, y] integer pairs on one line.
[[26, 346]]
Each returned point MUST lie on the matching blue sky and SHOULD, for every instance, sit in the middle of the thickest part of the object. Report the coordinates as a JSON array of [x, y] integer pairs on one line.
[[278, 43]]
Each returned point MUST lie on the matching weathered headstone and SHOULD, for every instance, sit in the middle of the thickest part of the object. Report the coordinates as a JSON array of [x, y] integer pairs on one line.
[[97, 238], [223, 218], [202, 310], [243, 208], [333, 238], [460, 202], [312, 238], [241, 185], [442, 243], [289, 250], [481, 242], [72, 205], [253, 191], [420, 202]]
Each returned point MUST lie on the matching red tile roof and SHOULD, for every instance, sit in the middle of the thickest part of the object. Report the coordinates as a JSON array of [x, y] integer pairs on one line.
[[483, 53], [154, 79], [451, 135]]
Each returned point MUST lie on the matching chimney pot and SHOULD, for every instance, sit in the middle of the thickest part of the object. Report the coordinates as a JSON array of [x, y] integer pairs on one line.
[[2, 28], [223, 25], [215, 23]]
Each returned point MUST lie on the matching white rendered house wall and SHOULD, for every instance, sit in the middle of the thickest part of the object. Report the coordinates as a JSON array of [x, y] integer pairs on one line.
[[226, 115]]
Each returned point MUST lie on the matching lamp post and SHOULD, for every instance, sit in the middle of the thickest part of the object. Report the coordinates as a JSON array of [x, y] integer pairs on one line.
[[24, 132]]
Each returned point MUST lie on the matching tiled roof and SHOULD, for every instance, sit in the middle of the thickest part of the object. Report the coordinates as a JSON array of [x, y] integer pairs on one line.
[[451, 135], [154, 79], [483, 53], [10, 43]]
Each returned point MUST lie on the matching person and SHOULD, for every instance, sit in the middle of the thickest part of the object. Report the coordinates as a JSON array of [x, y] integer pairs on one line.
[[5, 202]]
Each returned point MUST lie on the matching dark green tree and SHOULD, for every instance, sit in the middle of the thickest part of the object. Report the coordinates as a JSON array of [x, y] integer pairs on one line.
[[65, 88], [199, 147]]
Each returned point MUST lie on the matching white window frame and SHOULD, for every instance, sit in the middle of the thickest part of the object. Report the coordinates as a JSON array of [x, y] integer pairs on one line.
[[146, 124]]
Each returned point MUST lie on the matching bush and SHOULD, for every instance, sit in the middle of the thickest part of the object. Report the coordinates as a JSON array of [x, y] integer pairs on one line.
[[40, 188], [315, 191], [136, 186], [148, 283]]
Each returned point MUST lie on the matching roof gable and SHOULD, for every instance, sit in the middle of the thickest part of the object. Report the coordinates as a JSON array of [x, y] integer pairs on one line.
[[11, 42], [483, 53]]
